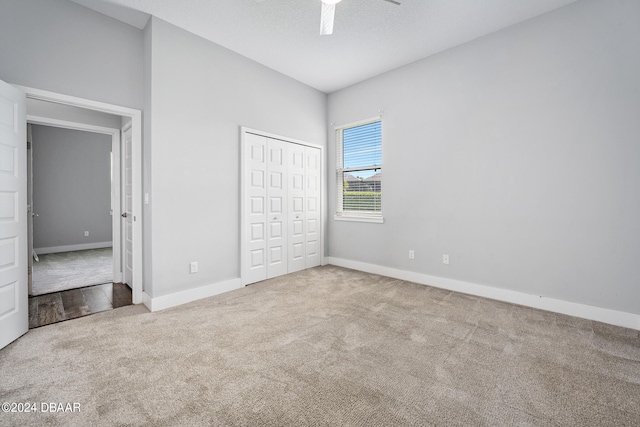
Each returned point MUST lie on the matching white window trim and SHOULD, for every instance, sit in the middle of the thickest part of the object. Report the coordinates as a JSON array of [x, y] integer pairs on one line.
[[363, 216]]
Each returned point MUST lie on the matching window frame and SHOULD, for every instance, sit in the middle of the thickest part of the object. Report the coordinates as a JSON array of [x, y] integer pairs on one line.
[[357, 216]]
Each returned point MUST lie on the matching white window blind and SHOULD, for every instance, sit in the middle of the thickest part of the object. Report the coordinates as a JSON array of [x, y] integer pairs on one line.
[[359, 170]]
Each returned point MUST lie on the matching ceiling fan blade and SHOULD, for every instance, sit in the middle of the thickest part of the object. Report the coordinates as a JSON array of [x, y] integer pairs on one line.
[[326, 19], [394, 2]]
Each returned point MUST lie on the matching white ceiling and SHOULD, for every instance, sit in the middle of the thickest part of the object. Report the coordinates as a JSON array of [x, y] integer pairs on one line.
[[370, 36]]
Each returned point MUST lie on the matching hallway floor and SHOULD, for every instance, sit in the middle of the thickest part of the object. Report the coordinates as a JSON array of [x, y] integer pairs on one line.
[[65, 305], [70, 270]]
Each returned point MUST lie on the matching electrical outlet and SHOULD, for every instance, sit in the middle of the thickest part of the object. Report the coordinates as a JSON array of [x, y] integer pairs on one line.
[[445, 259], [193, 267], [412, 254], [86, 234]]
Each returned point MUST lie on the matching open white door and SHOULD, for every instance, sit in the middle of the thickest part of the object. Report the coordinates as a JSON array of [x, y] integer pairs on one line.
[[30, 211], [127, 207], [14, 307]]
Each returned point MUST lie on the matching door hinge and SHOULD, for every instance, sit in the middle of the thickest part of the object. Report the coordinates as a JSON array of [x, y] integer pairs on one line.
[[28, 145]]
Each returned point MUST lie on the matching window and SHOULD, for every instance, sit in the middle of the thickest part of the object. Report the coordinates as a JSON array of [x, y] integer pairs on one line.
[[359, 171]]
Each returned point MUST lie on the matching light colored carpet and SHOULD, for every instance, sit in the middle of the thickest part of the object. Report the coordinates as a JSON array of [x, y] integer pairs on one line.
[[328, 346], [71, 270]]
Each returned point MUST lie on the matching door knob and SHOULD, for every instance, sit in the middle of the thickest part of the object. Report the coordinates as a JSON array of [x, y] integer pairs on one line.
[[124, 215]]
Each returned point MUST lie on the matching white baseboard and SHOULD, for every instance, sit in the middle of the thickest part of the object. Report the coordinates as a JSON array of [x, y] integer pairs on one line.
[[183, 297], [71, 248], [604, 315]]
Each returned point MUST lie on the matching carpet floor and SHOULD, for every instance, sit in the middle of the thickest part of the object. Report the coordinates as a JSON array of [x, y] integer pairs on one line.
[[327, 346], [72, 270]]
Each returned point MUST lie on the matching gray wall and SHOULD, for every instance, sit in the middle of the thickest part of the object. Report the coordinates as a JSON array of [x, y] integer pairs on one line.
[[200, 95], [71, 187], [526, 147], [195, 95], [60, 46], [52, 110]]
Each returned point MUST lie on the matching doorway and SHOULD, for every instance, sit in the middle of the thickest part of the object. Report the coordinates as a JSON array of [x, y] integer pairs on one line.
[[62, 111], [14, 313], [74, 198], [70, 195]]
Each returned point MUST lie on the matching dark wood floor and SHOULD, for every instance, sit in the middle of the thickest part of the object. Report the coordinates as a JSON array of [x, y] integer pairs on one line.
[[59, 306]]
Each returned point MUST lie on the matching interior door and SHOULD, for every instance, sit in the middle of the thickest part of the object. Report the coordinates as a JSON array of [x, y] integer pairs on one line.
[[127, 208], [255, 218], [276, 208], [296, 207], [30, 209], [14, 314], [312, 176]]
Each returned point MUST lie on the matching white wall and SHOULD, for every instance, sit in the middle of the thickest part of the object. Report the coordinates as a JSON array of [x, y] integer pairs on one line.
[[517, 154], [60, 46], [71, 188], [200, 95]]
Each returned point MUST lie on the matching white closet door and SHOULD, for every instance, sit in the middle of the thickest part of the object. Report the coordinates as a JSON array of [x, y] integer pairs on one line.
[[312, 207], [277, 208], [281, 207], [296, 190], [255, 268]]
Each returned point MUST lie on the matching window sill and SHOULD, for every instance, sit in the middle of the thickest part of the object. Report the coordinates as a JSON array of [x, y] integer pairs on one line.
[[376, 220]]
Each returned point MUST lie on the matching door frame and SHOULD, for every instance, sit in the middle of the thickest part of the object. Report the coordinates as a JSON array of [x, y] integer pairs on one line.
[[245, 130], [136, 146], [116, 182]]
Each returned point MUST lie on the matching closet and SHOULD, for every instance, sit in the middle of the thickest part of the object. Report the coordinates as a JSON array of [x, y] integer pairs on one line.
[[281, 214]]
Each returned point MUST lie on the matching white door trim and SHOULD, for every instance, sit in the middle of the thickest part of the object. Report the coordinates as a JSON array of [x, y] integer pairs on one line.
[[245, 130], [136, 125]]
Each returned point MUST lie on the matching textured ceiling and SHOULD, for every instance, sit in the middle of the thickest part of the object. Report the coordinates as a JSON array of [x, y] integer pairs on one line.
[[370, 36]]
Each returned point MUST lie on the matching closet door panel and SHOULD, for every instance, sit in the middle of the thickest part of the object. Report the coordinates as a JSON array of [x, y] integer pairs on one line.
[[312, 198], [297, 207], [277, 208], [255, 151]]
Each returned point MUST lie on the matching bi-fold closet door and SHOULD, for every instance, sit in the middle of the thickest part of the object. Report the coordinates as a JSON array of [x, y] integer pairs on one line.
[[282, 207], [304, 207]]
